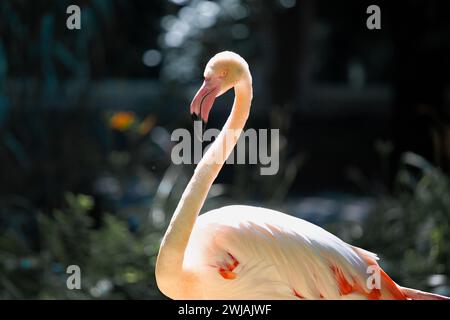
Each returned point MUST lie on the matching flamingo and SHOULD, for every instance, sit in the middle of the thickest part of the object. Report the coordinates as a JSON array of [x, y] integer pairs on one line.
[[246, 252]]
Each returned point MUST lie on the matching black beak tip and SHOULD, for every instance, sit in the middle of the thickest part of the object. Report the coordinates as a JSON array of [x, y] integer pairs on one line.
[[195, 116]]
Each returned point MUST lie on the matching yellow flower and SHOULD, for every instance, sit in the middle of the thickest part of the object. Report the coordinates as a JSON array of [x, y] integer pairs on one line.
[[122, 120]]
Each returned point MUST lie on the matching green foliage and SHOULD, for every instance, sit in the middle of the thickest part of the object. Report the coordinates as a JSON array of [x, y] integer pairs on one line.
[[411, 230], [115, 263]]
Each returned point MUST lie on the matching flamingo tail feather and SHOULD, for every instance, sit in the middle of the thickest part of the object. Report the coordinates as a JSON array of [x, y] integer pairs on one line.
[[414, 294]]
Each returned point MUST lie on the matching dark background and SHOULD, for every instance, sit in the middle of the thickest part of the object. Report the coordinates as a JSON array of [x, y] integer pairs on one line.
[[86, 117]]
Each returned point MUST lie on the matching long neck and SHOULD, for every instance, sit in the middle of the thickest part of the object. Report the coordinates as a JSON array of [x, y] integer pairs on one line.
[[169, 266]]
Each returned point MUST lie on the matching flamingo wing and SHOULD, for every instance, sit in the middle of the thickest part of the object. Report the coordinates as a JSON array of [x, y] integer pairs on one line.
[[256, 253]]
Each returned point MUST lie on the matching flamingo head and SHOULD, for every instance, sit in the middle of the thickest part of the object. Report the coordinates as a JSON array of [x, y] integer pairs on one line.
[[223, 72]]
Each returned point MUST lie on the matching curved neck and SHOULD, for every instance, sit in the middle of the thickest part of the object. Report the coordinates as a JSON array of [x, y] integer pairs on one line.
[[169, 265]]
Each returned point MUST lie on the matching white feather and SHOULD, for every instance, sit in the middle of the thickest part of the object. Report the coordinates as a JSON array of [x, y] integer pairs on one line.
[[277, 254]]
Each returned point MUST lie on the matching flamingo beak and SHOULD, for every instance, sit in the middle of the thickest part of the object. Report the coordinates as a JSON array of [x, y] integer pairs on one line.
[[202, 104], [204, 99]]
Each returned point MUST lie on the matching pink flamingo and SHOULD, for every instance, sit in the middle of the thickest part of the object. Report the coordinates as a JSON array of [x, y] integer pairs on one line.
[[244, 252]]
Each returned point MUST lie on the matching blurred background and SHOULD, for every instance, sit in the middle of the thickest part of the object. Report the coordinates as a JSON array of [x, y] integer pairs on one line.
[[86, 116]]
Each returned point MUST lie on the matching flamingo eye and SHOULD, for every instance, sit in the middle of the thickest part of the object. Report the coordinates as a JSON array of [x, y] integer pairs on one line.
[[223, 73]]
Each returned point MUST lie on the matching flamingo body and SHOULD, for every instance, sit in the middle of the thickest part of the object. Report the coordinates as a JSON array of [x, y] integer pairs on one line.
[[244, 252]]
